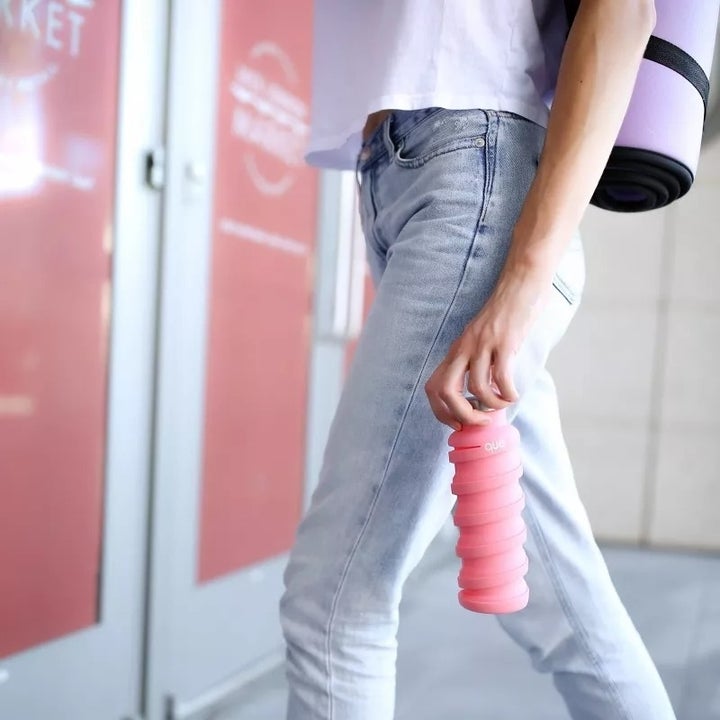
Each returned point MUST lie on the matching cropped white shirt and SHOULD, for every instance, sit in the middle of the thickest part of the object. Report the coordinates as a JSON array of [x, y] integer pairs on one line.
[[408, 54]]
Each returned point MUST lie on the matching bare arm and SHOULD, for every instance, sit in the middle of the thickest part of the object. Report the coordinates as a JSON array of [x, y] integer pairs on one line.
[[597, 75]]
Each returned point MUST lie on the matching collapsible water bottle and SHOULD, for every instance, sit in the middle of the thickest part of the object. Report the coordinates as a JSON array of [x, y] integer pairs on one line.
[[488, 515]]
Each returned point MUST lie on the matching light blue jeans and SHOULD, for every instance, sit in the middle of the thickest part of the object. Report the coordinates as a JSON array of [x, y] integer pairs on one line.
[[440, 192]]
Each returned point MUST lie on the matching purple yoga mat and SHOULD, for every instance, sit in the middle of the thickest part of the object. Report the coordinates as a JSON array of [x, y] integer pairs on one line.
[[666, 112], [656, 153]]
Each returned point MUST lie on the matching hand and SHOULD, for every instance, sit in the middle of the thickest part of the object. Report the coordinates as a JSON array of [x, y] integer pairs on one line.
[[486, 350]]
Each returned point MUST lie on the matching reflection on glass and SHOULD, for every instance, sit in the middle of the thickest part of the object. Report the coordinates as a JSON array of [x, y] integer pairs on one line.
[[20, 150], [22, 70], [58, 80]]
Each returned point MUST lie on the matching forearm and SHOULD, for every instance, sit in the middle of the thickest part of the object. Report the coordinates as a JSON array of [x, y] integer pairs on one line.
[[597, 74]]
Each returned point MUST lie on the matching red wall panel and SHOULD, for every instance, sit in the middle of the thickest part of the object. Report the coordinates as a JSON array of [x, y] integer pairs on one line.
[[264, 226], [58, 88]]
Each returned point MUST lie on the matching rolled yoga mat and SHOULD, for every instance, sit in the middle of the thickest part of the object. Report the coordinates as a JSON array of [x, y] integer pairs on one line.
[[656, 153]]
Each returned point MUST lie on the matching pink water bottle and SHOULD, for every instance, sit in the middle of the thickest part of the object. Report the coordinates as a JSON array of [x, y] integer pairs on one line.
[[488, 515]]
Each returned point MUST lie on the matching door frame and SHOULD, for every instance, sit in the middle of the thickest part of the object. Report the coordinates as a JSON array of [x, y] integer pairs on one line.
[[199, 635]]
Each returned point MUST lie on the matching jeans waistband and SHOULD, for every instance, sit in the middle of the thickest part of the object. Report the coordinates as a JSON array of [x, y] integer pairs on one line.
[[399, 123]]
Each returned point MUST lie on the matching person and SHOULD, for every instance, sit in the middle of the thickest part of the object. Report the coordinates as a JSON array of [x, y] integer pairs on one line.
[[472, 185]]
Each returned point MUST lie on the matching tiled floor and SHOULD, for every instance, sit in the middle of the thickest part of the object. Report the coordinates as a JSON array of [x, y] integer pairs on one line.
[[455, 664]]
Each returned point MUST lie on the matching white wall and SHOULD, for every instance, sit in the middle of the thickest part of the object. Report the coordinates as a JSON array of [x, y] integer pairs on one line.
[[639, 372]]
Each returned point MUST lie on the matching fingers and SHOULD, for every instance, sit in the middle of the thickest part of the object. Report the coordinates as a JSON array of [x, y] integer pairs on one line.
[[441, 411], [445, 391], [502, 374], [437, 404], [490, 379], [454, 395]]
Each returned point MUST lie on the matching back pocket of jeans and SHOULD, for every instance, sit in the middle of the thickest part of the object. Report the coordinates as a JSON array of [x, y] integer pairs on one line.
[[569, 278], [564, 289]]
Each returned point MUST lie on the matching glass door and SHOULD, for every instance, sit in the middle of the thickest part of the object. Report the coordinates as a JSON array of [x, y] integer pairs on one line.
[[235, 344], [79, 89]]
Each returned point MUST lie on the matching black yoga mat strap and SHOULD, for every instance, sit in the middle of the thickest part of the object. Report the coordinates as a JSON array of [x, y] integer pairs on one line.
[[671, 56], [667, 54]]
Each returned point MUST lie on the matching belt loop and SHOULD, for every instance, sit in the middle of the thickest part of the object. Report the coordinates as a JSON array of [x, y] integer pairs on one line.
[[387, 138], [493, 120]]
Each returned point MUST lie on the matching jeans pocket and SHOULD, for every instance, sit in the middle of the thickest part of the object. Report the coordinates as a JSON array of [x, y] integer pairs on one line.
[[435, 132], [436, 149], [562, 287], [569, 278]]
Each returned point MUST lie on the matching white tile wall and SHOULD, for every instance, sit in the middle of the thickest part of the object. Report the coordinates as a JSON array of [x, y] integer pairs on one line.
[[695, 224], [691, 388], [709, 166], [609, 462], [623, 255], [687, 489], [602, 367], [637, 317]]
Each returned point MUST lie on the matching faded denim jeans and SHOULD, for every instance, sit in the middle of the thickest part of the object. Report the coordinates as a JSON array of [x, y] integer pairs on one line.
[[440, 193]]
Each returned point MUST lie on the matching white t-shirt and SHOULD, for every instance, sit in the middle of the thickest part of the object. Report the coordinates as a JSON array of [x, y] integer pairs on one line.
[[408, 54]]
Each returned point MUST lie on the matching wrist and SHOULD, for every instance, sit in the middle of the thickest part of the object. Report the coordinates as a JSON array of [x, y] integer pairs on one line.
[[527, 271]]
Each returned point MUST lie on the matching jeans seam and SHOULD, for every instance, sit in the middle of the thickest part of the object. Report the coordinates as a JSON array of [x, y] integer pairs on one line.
[[570, 615], [381, 483], [380, 245], [490, 153], [372, 237]]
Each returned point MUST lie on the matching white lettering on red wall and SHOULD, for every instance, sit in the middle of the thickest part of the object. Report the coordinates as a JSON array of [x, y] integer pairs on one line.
[[270, 117]]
